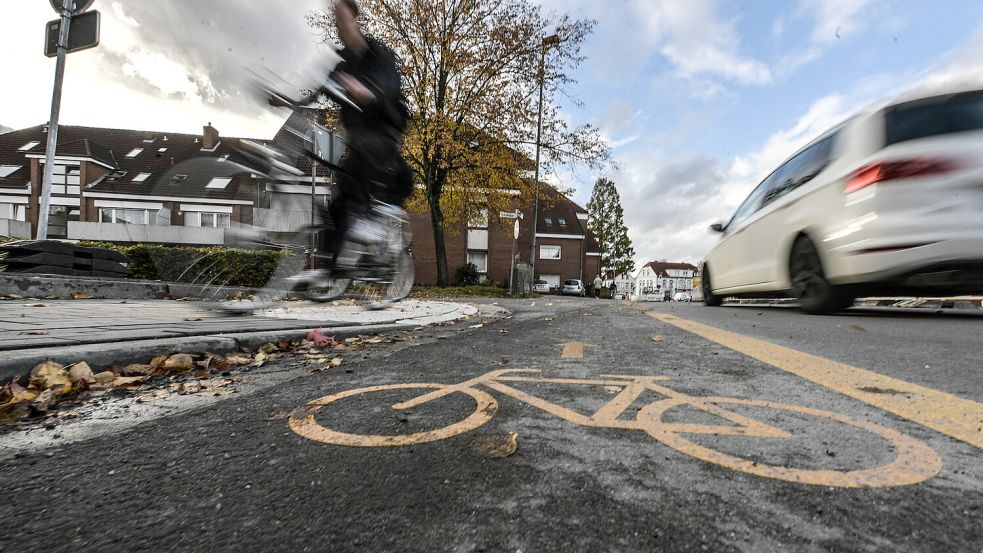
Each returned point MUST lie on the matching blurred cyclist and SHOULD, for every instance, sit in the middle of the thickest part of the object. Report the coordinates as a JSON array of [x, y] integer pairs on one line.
[[373, 167]]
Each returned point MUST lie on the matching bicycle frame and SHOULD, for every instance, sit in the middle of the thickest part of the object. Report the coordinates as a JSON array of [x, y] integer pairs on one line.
[[608, 416]]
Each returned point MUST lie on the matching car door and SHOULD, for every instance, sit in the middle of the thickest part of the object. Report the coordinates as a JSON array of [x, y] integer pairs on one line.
[[728, 260], [766, 229]]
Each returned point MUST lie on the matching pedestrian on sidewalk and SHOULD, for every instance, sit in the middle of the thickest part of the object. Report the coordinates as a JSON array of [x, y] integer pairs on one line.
[[597, 286]]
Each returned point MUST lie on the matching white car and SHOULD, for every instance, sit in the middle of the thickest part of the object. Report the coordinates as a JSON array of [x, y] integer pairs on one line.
[[541, 287], [682, 296], [889, 202], [573, 287]]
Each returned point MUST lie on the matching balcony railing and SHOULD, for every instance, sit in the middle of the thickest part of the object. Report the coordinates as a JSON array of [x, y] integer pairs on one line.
[[152, 234]]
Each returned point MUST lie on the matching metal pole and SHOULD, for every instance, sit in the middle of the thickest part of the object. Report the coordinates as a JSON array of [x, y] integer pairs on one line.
[[512, 268], [313, 212], [539, 136], [49, 157]]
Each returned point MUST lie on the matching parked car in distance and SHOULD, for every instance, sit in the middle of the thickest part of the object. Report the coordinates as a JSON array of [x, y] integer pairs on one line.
[[888, 203], [573, 287], [541, 287], [682, 296]]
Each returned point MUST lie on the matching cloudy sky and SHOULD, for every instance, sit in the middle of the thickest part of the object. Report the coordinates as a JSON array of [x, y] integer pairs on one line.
[[700, 98]]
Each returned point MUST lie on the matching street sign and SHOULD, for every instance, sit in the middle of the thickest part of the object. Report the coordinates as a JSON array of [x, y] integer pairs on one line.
[[78, 6], [83, 33], [515, 230], [509, 215]]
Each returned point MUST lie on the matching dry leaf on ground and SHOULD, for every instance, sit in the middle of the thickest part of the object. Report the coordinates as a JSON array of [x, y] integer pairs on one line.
[[179, 362], [80, 296], [44, 401], [137, 370], [859, 328], [81, 372], [34, 333], [129, 381], [238, 359], [336, 362], [192, 319], [495, 446], [658, 339]]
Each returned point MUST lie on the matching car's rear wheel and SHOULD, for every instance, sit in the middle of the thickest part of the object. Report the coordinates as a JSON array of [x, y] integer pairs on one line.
[[709, 298], [809, 285]]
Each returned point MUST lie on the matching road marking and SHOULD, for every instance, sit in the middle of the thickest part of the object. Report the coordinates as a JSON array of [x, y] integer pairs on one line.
[[914, 462], [951, 415], [574, 350]]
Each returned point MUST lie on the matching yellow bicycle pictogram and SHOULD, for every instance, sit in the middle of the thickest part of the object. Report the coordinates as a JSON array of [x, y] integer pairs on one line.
[[913, 461]]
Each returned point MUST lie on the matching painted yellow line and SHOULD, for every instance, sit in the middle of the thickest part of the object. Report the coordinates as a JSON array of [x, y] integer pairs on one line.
[[574, 350], [951, 415]]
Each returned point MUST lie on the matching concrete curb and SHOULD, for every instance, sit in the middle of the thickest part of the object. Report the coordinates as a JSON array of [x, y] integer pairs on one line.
[[20, 363]]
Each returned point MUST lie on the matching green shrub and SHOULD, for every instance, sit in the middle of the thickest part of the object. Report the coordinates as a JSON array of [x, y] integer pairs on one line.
[[468, 275], [214, 265]]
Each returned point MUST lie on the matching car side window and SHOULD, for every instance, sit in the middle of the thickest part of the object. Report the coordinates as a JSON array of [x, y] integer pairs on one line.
[[753, 202], [801, 169]]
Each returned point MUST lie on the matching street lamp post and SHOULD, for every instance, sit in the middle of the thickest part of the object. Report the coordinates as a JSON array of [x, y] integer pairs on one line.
[[548, 41]]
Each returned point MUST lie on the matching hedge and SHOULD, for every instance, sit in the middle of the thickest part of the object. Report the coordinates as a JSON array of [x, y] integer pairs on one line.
[[213, 265]]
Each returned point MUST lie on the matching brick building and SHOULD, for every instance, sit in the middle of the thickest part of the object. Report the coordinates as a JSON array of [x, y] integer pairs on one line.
[[137, 186]]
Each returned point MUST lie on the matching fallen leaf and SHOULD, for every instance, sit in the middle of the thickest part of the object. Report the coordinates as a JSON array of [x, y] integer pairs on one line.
[[236, 359], [44, 401], [157, 361], [336, 362], [495, 446], [503, 331], [202, 375], [859, 328], [81, 372], [374, 341], [260, 359], [37, 305], [341, 347], [127, 381], [15, 297], [34, 333], [269, 348], [192, 319], [80, 296], [658, 339], [51, 375], [477, 326], [137, 370], [105, 377], [179, 362]]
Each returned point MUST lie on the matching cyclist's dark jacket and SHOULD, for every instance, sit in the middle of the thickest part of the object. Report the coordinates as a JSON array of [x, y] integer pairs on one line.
[[375, 134]]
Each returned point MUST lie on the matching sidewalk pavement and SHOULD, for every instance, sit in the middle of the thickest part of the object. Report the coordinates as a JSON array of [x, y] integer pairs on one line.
[[107, 332]]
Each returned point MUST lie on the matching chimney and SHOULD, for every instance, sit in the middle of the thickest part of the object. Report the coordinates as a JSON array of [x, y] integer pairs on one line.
[[209, 137]]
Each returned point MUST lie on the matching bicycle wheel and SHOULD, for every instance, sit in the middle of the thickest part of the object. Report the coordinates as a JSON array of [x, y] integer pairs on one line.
[[308, 427], [914, 462], [334, 289]]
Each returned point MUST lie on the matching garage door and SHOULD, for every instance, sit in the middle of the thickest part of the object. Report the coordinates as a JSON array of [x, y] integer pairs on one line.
[[552, 280]]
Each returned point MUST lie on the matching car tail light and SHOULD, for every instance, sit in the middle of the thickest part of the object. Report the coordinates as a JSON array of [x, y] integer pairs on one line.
[[892, 170]]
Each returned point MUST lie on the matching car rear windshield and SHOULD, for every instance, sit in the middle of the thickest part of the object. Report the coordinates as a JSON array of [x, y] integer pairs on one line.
[[934, 116], [572, 282]]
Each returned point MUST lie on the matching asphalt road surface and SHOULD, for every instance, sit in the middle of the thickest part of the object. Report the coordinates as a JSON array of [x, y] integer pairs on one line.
[[637, 427]]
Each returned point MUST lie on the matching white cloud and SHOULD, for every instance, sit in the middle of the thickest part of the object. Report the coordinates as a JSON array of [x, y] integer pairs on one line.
[[699, 42]]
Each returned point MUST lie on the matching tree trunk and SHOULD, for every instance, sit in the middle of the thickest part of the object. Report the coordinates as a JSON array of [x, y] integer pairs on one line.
[[437, 223]]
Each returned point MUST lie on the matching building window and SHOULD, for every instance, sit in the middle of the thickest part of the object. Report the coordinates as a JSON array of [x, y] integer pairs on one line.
[[134, 152], [207, 219], [29, 146], [479, 220], [128, 216], [7, 170], [549, 252], [562, 221], [219, 183], [549, 221], [17, 212], [141, 177], [480, 260]]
